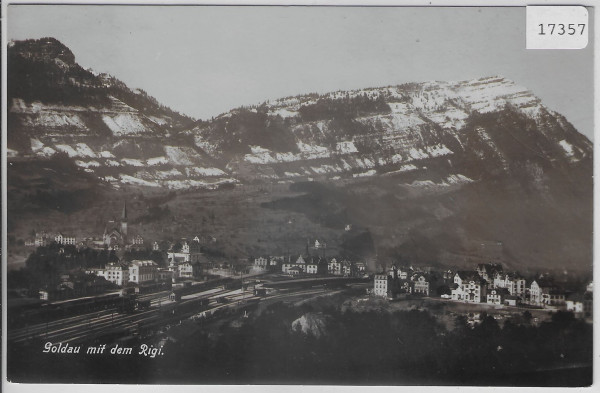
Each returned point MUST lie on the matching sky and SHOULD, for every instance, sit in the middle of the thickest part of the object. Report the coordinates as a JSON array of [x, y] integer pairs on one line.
[[205, 60]]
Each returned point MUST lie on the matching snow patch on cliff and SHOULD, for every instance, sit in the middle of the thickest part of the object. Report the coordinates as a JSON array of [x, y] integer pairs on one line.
[[567, 147], [124, 124], [157, 161]]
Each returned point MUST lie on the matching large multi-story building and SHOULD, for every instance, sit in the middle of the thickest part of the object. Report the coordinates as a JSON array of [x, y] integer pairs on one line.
[[142, 271], [381, 285], [64, 239], [518, 286], [115, 272]]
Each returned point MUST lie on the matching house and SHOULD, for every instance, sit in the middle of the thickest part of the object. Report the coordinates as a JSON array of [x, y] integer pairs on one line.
[[189, 252], [405, 286], [575, 304], [260, 264], [381, 285], [497, 295], [164, 275], [421, 285], [275, 261], [487, 271], [403, 273], [142, 271], [511, 300], [334, 267], [295, 270], [469, 287], [115, 272], [553, 296], [448, 275], [360, 268], [346, 268], [300, 264], [544, 292], [182, 270], [312, 267], [393, 272], [137, 240], [535, 293], [42, 239], [44, 294], [185, 270], [320, 244], [64, 239]]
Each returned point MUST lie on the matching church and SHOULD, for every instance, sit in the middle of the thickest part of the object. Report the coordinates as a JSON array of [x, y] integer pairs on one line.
[[115, 233]]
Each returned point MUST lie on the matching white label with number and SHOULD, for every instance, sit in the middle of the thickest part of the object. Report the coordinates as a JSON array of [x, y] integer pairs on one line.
[[557, 27]]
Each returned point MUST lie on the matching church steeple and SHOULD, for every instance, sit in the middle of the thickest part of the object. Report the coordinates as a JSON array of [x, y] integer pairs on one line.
[[124, 222]]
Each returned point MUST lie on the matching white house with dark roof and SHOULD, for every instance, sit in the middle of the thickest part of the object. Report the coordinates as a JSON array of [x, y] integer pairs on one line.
[[469, 287], [300, 264]]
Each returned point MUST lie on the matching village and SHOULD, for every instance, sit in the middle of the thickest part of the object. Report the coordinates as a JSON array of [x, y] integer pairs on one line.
[[182, 263], [487, 284]]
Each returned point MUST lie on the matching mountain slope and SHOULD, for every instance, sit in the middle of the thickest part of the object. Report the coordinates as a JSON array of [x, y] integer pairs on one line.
[[118, 134], [384, 130], [434, 172]]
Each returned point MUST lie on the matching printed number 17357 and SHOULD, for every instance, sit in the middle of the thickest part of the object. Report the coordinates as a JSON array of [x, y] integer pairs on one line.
[[561, 29]]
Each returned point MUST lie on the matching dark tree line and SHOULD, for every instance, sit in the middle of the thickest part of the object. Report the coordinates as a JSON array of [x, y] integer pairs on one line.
[[44, 266], [345, 108]]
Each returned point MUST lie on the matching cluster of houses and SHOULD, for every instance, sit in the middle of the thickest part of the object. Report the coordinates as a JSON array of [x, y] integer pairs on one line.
[[309, 265], [402, 280], [488, 283], [184, 259], [115, 237], [43, 239]]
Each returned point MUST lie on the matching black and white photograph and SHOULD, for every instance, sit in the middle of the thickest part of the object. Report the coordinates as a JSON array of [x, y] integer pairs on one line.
[[298, 195]]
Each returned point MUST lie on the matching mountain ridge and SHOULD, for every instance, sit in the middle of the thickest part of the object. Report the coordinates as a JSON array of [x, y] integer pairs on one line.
[[445, 164], [336, 135]]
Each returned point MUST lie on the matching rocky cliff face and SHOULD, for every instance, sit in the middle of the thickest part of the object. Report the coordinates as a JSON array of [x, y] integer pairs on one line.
[[120, 135], [477, 127], [468, 129]]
